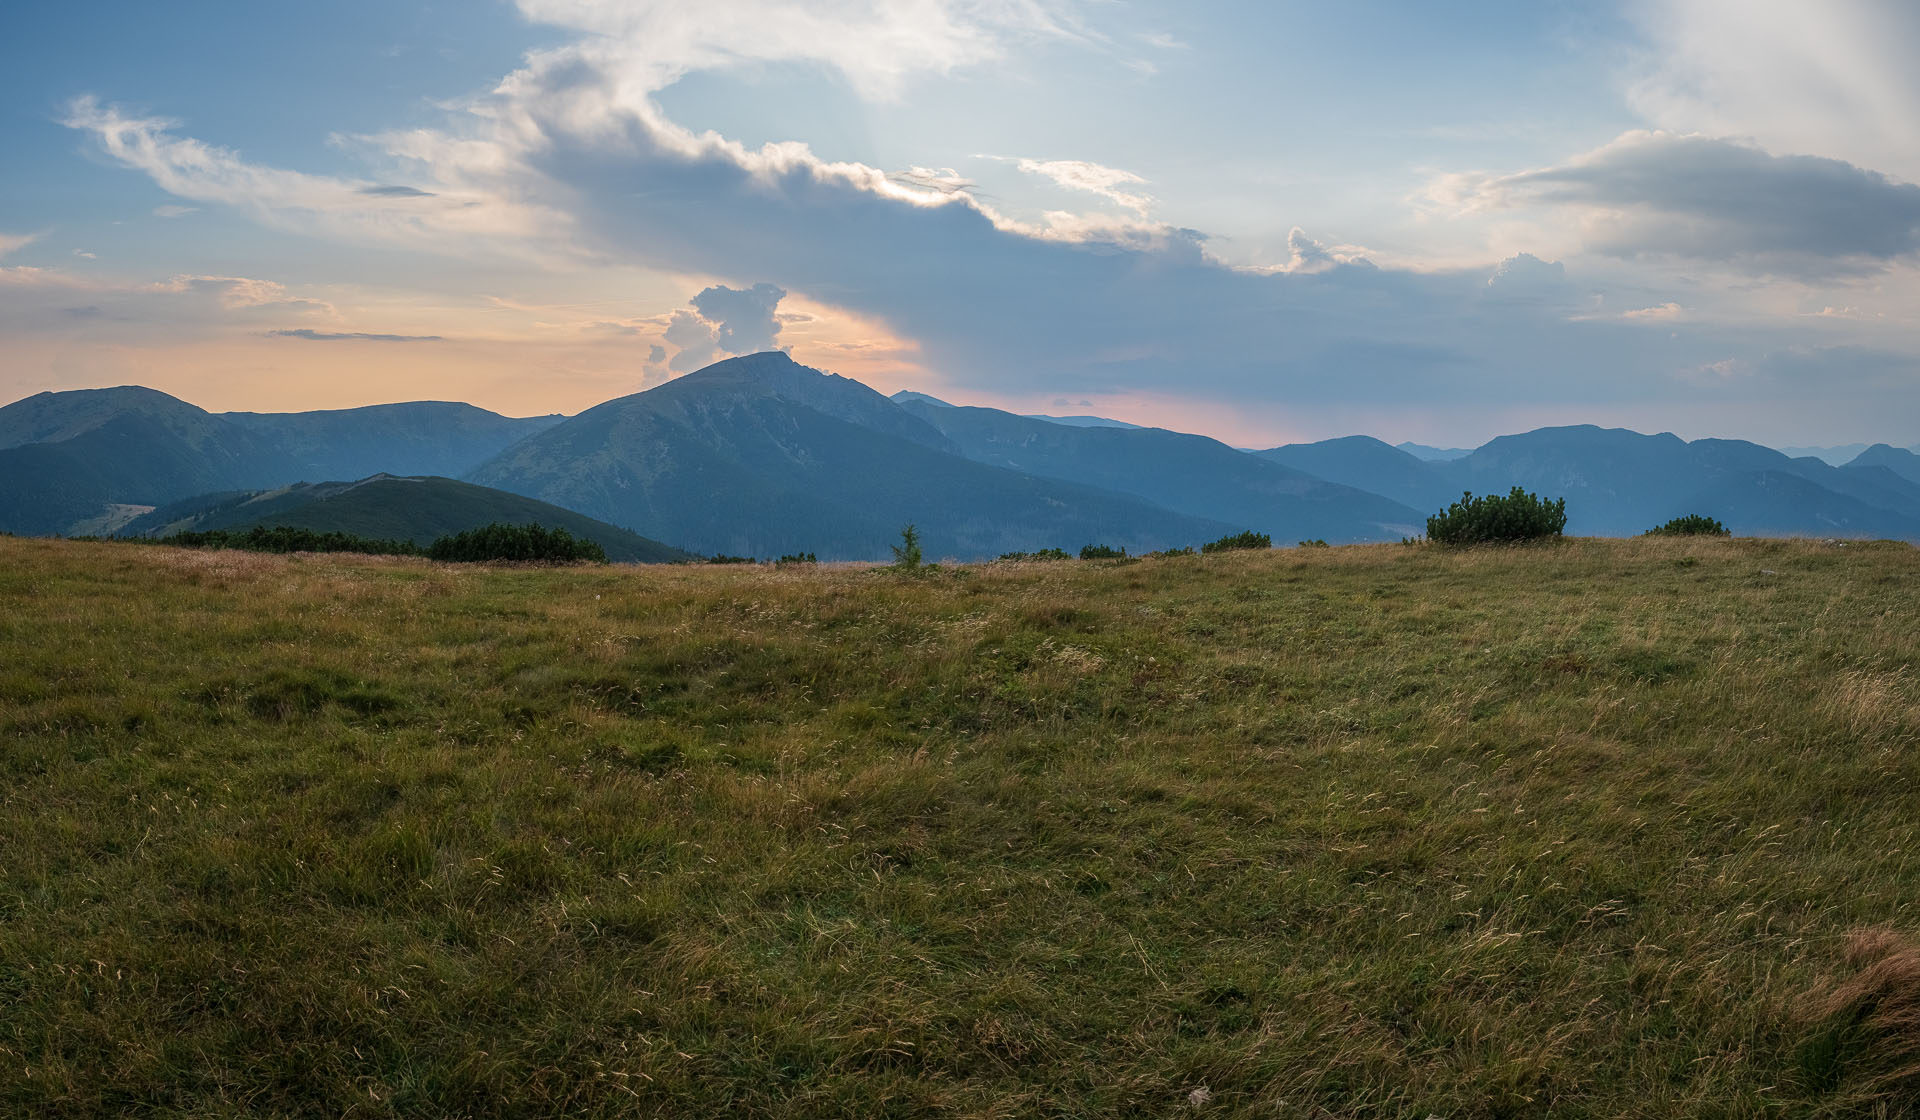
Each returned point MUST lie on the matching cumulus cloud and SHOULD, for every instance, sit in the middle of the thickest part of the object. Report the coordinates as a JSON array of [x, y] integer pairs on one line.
[[695, 339], [1657, 194], [744, 321]]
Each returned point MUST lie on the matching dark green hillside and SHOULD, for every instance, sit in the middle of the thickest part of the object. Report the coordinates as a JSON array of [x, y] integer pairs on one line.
[[416, 438], [388, 508], [139, 457], [758, 456], [1192, 474]]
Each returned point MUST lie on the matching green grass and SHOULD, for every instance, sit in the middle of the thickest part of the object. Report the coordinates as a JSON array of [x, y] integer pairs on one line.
[[1571, 830]]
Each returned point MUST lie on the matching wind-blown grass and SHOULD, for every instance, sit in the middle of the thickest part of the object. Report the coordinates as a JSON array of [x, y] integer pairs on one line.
[[1580, 829]]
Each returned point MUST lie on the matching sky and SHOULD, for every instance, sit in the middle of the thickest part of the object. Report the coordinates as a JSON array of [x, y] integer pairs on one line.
[[1267, 221]]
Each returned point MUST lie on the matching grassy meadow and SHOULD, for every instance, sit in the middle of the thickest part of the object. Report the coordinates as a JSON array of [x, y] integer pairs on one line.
[[1589, 829]]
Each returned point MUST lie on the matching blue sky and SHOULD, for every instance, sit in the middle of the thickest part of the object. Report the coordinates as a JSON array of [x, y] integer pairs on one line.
[[1267, 221]]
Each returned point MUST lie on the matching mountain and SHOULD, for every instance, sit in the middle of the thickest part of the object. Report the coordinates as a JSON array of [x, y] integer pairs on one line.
[[1899, 460], [417, 438], [1434, 454], [1368, 464], [1082, 421], [1832, 456], [1618, 483], [71, 455], [386, 507], [69, 460], [759, 456], [1193, 474]]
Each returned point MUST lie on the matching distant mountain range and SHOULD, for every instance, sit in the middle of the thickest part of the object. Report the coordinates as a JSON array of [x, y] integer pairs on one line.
[[760, 456]]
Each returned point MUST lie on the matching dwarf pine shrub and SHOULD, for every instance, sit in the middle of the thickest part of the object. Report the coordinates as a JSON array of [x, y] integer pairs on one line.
[[1102, 552], [534, 544], [1248, 539], [1692, 525], [1519, 516]]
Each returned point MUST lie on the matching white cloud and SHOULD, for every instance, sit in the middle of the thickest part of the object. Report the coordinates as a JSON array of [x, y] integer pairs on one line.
[[171, 211], [1094, 178], [14, 242], [744, 320], [1833, 78], [1701, 198]]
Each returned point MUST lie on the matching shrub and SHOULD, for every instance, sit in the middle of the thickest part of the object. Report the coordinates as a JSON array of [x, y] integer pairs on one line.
[[1692, 525], [906, 554], [1043, 554], [287, 538], [1248, 539], [1102, 552], [1165, 552], [723, 558], [795, 558], [533, 544], [1314, 543], [1519, 516]]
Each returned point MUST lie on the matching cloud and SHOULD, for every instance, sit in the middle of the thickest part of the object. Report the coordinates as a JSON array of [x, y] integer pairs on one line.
[[353, 336], [1699, 198], [50, 301], [171, 211], [395, 192], [319, 204], [14, 242], [744, 320], [1081, 175], [1834, 78], [695, 338]]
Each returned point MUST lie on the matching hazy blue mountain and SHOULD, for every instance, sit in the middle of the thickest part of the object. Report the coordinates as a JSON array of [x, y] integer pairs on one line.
[[1434, 454], [1619, 482], [67, 457], [1189, 473], [1832, 456], [759, 456], [131, 446], [1083, 421], [905, 395], [416, 438], [1780, 504], [1899, 460], [1368, 464], [389, 508]]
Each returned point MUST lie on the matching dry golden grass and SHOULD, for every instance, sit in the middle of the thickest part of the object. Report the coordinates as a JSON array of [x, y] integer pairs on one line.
[[1580, 830]]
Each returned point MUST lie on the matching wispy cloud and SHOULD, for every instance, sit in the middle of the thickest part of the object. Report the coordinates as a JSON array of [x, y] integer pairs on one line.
[[172, 211], [352, 336], [14, 242], [1094, 178]]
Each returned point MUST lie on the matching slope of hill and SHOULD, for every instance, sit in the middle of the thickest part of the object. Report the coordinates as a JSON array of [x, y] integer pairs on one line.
[[68, 460], [759, 455], [1619, 482], [1370, 464], [385, 507], [1899, 460], [1189, 473], [150, 455], [416, 438]]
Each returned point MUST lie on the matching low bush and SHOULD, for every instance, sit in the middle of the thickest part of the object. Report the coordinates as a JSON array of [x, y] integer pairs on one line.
[[533, 544], [287, 538], [1043, 554], [1518, 516], [1314, 543], [723, 558], [1692, 525], [1248, 539], [796, 558], [1102, 552]]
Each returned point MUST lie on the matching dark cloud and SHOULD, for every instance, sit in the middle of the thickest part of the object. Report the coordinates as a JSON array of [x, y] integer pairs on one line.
[[396, 192], [353, 336], [1718, 200]]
